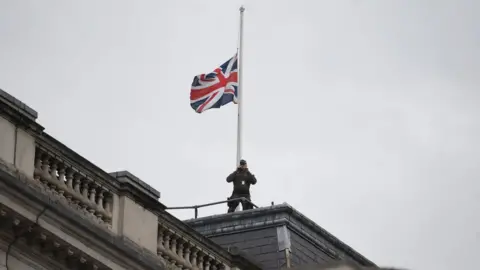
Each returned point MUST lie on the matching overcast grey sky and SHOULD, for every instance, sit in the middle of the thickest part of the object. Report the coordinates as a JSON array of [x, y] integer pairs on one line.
[[363, 115]]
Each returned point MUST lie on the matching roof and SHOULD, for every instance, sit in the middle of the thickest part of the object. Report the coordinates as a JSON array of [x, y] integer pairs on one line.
[[274, 216]]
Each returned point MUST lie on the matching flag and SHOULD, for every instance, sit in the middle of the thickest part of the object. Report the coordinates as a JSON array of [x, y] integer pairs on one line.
[[215, 89]]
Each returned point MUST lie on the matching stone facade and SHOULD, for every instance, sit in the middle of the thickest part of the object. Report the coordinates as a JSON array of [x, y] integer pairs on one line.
[[60, 211]]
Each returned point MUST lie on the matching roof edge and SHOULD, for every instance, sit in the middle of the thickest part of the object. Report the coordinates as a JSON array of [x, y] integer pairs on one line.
[[291, 211]]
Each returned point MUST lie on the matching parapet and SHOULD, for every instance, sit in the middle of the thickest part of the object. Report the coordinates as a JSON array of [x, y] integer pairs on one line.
[[20, 107], [135, 186]]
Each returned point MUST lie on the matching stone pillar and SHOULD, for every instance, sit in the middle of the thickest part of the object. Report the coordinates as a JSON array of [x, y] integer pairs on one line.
[[133, 215], [17, 133]]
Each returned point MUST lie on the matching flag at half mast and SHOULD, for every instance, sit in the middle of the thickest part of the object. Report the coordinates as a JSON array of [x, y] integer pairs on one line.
[[215, 89]]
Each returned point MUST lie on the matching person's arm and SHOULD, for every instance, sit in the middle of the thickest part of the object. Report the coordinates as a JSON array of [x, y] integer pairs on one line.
[[231, 177], [253, 179]]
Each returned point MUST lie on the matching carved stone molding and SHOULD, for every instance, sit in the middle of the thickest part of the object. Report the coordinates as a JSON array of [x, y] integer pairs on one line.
[[49, 248]]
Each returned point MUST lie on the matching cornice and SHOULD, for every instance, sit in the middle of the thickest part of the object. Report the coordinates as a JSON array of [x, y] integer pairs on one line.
[[19, 113], [36, 245], [29, 256]]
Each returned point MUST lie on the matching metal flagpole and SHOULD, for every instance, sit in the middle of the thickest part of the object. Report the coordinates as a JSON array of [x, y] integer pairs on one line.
[[240, 89]]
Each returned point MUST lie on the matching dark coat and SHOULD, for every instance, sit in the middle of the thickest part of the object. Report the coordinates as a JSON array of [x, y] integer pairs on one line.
[[242, 179]]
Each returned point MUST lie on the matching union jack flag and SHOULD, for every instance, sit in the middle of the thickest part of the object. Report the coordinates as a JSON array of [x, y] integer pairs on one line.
[[215, 89]]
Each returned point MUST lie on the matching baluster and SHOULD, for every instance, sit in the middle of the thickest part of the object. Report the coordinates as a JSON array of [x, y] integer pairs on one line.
[[214, 265], [53, 174], [85, 199], [186, 253], [100, 198], [166, 240], [77, 182], [160, 246], [93, 192], [69, 184], [180, 244], [193, 256], [86, 183], [37, 172], [61, 179], [99, 214], [108, 206], [45, 169], [200, 260], [173, 243], [69, 178], [109, 203], [207, 263]]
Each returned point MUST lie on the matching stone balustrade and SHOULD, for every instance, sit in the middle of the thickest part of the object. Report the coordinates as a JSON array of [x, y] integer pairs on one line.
[[79, 189], [182, 253]]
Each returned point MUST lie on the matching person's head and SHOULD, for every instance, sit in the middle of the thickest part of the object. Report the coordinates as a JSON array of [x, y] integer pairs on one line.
[[243, 164]]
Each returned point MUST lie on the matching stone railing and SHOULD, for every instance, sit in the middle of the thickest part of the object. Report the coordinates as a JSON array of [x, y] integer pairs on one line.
[[75, 185], [182, 253], [181, 247]]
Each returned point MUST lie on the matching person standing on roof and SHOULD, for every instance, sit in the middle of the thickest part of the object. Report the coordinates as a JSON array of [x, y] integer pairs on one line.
[[241, 178]]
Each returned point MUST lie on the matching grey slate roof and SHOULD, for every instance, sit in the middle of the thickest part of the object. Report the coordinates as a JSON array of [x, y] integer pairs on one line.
[[274, 216]]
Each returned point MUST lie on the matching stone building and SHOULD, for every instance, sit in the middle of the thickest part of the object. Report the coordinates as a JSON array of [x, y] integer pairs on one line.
[[60, 211]]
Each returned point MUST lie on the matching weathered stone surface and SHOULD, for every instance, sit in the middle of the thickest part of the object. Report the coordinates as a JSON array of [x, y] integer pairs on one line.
[[21, 107], [24, 152], [138, 224], [7, 141], [127, 178]]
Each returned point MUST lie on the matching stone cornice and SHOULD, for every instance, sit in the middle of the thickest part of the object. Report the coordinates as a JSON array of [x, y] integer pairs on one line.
[[19, 113], [22, 108], [35, 236], [116, 248], [281, 214], [29, 256], [126, 177], [138, 190]]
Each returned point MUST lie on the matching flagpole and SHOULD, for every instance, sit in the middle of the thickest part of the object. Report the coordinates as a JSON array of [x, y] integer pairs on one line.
[[240, 89]]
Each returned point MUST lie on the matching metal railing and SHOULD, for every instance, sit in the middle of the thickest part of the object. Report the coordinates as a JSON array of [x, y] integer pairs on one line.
[[196, 207]]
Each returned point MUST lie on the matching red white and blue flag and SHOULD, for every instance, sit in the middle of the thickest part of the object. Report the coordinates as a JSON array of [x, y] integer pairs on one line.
[[215, 89]]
